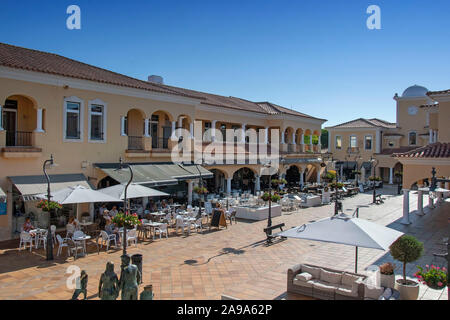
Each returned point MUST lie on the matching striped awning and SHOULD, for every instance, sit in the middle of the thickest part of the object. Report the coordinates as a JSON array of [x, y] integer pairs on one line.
[[30, 186]]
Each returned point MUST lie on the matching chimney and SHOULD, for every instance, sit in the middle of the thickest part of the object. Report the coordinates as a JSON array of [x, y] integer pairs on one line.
[[155, 79]]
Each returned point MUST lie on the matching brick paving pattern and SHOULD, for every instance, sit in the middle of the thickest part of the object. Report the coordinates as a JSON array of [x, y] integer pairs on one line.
[[234, 262]]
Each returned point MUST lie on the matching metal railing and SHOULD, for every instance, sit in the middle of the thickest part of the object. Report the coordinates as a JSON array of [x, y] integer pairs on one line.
[[160, 143], [135, 143], [19, 139]]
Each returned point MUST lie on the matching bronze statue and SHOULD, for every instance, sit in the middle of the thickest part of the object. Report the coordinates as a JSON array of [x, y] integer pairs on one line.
[[82, 282], [129, 279], [147, 294], [108, 287]]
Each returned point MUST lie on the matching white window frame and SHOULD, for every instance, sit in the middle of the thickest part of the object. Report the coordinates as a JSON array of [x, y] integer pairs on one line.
[[371, 139], [350, 141], [97, 102], [409, 133], [335, 142], [81, 117]]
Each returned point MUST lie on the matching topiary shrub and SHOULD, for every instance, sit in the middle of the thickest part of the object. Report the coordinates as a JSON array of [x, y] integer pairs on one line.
[[406, 249]]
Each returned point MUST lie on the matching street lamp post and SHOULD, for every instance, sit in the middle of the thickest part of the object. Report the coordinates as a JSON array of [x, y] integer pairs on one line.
[[269, 219], [49, 231], [125, 203], [376, 161]]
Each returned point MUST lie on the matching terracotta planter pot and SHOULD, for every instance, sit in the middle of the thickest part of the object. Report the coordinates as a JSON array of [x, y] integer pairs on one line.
[[387, 280], [408, 291]]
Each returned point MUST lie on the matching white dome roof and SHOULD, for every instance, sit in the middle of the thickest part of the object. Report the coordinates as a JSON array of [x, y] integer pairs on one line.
[[415, 91]]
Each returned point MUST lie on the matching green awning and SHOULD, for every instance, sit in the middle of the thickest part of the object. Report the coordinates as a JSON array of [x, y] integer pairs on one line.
[[29, 186], [155, 174], [142, 174]]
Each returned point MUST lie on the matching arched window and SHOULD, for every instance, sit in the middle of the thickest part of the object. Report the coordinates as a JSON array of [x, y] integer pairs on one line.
[[412, 138]]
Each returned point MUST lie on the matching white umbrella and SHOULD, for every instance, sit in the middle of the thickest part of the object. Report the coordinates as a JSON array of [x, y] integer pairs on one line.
[[133, 191], [344, 229], [78, 194]]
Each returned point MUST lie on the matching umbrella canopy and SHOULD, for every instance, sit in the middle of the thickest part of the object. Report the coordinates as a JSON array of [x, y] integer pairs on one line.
[[133, 191], [344, 229], [78, 194]]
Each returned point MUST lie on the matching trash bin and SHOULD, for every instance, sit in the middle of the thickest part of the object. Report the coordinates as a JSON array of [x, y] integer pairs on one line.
[[136, 259]]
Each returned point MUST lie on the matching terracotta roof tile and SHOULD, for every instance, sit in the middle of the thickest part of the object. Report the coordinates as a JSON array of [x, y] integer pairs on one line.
[[38, 61], [434, 150], [366, 123]]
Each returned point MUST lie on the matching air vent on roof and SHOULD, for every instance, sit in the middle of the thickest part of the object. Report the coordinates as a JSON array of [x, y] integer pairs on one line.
[[155, 79]]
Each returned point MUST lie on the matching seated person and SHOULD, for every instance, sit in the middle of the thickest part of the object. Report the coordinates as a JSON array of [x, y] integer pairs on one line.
[[110, 228], [113, 212], [106, 215], [27, 226], [71, 226]]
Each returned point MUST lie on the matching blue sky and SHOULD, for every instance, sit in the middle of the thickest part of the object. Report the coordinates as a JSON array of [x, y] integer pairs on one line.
[[317, 57]]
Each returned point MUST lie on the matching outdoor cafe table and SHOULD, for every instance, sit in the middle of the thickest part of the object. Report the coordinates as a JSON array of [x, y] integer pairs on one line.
[[152, 225], [37, 233], [82, 239]]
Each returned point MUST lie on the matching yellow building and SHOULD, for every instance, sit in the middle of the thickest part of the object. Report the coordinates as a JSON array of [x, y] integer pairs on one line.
[[412, 146], [88, 118]]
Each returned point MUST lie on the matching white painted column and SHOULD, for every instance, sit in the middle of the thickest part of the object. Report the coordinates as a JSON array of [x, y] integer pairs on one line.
[[430, 138], [318, 175], [1, 118], [310, 142], [319, 144], [266, 135], [282, 138], [302, 173], [190, 188], [38, 121], [363, 174], [174, 126], [435, 136], [191, 129], [420, 203], [405, 219], [229, 185], [213, 130], [391, 175], [302, 142], [258, 183], [293, 137], [341, 175], [243, 132], [146, 133], [122, 126]]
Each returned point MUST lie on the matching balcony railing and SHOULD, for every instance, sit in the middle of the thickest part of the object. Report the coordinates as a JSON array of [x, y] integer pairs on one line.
[[135, 143], [160, 143], [19, 139]]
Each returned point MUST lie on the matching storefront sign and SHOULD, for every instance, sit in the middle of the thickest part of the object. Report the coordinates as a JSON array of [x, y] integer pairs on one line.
[[2, 208]]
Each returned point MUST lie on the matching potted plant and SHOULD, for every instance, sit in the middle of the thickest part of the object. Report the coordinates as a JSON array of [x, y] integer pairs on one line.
[[407, 249], [434, 277], [48, 206], [387, 276], [126, 220], [200, 190], [275, 197]]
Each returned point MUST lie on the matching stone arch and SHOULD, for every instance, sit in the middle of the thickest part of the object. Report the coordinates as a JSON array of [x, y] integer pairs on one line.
[[298, 135], [135, 122], [244, 178], [288, 135]]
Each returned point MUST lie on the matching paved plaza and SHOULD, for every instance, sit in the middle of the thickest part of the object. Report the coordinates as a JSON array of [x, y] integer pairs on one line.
[[234, 262]]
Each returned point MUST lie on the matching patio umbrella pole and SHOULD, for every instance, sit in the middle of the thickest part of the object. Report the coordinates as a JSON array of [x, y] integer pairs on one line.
[[356, 259]]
